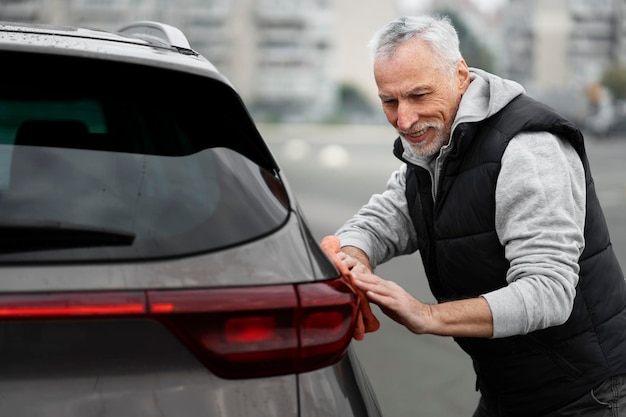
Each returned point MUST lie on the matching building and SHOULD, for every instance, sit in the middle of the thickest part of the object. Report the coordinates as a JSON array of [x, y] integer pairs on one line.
[[291, 59], [280, 54], [560, 48]]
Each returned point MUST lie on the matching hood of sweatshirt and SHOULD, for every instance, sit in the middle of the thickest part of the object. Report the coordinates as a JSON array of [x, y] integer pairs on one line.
[[486, 95]]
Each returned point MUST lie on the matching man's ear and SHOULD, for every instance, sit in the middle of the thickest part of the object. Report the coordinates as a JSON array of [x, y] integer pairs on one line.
[[463, 74]]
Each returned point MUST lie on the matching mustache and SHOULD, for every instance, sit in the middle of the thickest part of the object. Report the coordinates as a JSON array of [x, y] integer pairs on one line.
[[420, 127]]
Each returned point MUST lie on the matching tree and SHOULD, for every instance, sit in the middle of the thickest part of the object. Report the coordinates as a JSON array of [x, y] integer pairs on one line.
[[614, 79]]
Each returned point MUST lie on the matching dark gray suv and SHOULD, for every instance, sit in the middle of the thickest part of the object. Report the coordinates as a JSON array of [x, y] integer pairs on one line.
[[153, 260]]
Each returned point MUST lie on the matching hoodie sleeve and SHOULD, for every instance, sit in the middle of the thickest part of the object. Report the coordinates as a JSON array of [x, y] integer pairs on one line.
[[382, 228], [540, 216]]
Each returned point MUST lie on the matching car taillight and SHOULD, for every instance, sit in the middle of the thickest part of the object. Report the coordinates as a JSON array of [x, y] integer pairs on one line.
[[241, 332], [58, 305]]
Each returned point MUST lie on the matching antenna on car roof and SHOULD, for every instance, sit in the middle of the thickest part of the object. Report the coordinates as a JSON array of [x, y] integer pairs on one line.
[[160, 32]]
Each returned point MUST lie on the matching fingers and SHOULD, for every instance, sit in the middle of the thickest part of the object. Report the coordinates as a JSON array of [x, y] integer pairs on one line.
[[369, 283], [352, 263], [393, 300], [382, 292]]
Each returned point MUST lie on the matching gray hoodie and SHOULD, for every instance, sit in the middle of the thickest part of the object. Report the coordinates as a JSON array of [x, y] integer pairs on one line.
[[540, 216]]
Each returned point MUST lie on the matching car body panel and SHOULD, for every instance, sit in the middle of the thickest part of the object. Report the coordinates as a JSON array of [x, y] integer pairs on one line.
[[89, 44], [280, 258], [154, 376], [122, 368], [349, 391]]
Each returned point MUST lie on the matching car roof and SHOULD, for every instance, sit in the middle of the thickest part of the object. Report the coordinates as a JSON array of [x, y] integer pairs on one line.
[[142, 42]]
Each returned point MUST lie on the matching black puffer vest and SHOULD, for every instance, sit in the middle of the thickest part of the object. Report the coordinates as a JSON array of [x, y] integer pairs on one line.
[[540, 372]]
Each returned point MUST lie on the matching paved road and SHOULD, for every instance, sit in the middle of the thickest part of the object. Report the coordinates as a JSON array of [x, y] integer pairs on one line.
[[335, 169]]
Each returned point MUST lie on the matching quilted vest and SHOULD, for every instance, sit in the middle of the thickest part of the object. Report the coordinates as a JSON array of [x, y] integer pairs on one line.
[[536, 373]]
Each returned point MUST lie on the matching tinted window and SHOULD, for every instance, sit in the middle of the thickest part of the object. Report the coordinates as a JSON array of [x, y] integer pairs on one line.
[[128, 168]]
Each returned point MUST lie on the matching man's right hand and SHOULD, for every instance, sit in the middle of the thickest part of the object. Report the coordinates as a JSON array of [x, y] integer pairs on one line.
[[355, 259]]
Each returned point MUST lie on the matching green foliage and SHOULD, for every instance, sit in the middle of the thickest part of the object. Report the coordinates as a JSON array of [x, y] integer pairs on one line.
[[352, 106], [614, 79], [351, 97], [475, 53]]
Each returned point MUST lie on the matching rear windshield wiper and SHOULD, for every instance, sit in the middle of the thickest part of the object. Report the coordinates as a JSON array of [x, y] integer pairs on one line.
[[41, 235]]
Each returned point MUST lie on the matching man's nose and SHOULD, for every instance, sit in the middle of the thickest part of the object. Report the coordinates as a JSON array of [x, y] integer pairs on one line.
[[407, 116]]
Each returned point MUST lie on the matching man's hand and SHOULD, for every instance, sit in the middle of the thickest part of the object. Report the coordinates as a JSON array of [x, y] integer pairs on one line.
[[366, 321], [355, 259], [461, 318]]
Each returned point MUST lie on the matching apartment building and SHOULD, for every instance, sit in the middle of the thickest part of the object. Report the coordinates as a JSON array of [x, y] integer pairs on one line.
[[559, 48], [278, 53], [288, 58]]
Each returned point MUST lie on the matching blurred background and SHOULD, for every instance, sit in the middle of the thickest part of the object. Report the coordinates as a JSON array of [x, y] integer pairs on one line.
[[307, 60], [302, 68]]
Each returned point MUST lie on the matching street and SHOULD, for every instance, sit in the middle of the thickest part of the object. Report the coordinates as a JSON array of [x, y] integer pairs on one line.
[[334, 170]]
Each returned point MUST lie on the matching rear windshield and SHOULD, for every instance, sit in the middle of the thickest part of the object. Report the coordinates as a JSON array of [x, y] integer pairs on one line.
[[102, 161]]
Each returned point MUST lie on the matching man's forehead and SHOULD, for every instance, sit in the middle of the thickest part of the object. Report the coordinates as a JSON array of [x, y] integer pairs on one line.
[[409, 47]]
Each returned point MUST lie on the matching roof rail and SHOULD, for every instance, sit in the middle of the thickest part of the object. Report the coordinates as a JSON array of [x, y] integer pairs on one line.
[[160, 32]]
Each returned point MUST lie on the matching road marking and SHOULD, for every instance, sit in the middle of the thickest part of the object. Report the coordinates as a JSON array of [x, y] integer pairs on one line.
[[334, 156], [330, 156], [296, 149]]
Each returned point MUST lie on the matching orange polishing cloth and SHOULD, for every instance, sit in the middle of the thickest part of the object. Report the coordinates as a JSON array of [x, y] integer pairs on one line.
[[366, 321]]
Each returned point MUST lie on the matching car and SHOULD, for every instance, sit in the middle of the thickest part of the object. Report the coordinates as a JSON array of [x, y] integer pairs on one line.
[[154, 260]]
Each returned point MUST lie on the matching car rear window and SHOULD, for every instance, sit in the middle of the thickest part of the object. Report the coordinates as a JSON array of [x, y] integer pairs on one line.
[[109, 161]]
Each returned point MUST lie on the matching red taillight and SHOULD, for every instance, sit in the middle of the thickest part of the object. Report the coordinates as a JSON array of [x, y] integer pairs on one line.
[[328, 312], [236, 332], [72, 304], [260, 331], [250, 329]]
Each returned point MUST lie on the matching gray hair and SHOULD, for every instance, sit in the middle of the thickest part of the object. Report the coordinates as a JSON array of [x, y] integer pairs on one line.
[[437, 31]]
